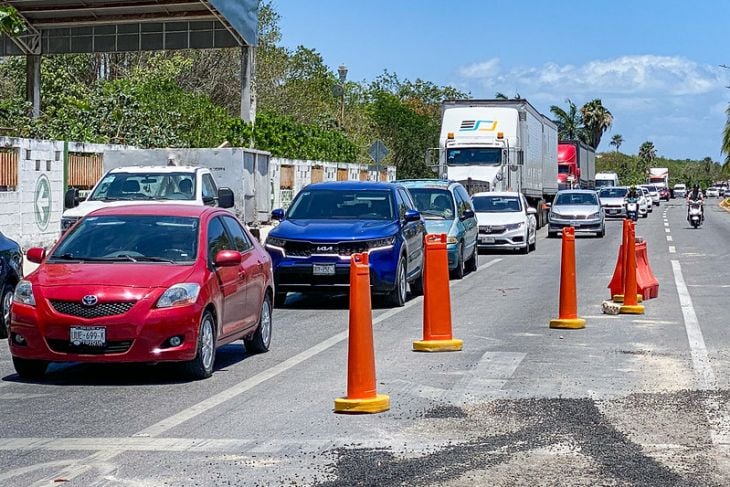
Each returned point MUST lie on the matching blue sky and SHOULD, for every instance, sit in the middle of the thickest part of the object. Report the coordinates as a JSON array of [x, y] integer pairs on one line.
[[653, 63]]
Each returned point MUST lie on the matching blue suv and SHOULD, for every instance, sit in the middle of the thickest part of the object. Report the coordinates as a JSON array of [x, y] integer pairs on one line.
[[327, 222]]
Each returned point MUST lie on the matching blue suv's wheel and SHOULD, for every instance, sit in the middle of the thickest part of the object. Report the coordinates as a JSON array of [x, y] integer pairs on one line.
[[398, 295]]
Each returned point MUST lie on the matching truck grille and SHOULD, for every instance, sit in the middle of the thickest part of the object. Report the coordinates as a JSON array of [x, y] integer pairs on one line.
[[74, 308]]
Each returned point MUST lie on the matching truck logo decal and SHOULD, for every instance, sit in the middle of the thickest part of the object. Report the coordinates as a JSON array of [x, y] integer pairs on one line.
[[478, 126]]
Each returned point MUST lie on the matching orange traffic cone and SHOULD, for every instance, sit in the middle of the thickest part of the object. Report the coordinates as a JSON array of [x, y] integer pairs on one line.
[[361, 394], [631, 303], [568, 310], [620, 277], [436, 299]]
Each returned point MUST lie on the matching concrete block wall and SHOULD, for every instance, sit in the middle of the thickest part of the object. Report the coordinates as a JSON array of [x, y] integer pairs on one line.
[[31, 215]]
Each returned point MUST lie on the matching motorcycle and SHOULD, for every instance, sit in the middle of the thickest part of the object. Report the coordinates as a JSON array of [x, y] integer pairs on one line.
[[632, 209], [694, 215]]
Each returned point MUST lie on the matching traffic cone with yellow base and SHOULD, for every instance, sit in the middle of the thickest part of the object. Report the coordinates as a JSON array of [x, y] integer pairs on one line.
[[437, 335], [568, 308], [361, 394], [631, 304]]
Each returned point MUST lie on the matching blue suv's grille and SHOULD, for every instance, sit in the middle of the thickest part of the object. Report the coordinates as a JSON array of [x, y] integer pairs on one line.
[[306, 249]]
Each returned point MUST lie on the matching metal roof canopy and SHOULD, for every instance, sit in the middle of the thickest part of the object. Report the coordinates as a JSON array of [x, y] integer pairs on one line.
[[64, 27], [99, 26]]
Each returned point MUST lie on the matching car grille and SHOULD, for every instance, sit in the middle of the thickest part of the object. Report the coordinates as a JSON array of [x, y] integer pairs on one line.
[[573, 217], [75, 308], [492, 229], [306, 249], [64, 346]]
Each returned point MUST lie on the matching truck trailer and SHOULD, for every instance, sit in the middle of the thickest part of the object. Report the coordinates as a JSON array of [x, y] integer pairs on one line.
[[576, 165], [500, 145], [659, 177]]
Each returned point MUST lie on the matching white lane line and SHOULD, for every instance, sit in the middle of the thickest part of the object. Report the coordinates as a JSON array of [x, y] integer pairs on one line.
[[86, 464], [716, 414], [483, 266], [700, 360], [667, 230], [672, 249], [128, 444], [669, 238], [666, 224]]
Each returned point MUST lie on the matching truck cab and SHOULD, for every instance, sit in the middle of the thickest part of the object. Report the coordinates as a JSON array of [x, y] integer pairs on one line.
[[185, 185], [606, 179]]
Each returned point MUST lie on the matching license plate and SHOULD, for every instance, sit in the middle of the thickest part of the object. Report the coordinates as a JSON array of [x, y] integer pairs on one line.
[[93, 336], [323, 269], [612, 212], [486, 240]]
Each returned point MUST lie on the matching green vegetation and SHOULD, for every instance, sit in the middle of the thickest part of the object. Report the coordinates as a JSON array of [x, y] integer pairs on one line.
[[587, 124], [192, 99], [634, 169], [10, 22]]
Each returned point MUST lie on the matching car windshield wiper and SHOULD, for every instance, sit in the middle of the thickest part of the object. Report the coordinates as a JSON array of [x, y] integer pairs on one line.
[[433, 213], [144, 258]]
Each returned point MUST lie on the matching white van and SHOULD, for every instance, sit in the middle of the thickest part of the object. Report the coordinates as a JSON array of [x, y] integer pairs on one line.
[[679, 191], [604, 179]]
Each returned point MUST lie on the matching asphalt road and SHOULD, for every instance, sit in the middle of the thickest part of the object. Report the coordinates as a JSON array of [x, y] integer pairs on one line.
[[629, 400]]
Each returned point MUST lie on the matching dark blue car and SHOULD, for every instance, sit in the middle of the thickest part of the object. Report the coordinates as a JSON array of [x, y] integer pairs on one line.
[[327, 222]]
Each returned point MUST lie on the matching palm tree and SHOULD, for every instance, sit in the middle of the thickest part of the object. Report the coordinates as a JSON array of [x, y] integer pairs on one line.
[[596, 120], [616, 141], [647, 152], [726, 142], [569, 122]]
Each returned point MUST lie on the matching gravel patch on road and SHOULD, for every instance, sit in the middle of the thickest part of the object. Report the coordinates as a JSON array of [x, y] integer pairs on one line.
[[642, 439]]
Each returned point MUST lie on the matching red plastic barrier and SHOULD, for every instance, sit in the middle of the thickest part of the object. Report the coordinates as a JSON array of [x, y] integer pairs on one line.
[[647, 283]]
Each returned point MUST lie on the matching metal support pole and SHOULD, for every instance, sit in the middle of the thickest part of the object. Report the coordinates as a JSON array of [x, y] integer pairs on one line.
[[33, 82], [248, 90]]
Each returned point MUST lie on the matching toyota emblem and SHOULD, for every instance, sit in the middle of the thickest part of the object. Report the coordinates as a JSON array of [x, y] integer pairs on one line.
[[89, 300]]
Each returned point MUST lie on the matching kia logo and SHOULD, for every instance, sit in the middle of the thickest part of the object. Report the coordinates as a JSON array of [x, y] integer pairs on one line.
[[324, 248], [89, 300]]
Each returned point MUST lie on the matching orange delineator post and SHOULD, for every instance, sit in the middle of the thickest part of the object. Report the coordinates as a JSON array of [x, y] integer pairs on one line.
[[568, 308], [361, 394], [631, 303], [437, 333]]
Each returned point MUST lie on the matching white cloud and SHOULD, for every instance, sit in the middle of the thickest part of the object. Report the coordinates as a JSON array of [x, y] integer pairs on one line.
[[647, 75], [486, 69]]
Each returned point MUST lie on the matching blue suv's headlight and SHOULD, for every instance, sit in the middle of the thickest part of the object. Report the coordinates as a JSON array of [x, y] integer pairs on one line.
[[276, 242], [381, 242]]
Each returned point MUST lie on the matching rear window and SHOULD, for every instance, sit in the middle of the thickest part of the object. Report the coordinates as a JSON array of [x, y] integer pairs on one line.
[[434, 202], [327, 204]]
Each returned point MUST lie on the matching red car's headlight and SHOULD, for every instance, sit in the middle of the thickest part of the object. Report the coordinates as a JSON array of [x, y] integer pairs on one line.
[[182, 294]]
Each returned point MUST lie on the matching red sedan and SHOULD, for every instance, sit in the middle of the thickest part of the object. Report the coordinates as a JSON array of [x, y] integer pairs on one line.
[[145, 283]]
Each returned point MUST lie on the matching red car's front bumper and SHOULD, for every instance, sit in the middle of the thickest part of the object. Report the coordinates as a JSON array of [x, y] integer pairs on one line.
[[139, 335]]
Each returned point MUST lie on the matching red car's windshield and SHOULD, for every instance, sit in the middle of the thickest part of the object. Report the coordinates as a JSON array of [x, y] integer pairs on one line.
[[131, 238]]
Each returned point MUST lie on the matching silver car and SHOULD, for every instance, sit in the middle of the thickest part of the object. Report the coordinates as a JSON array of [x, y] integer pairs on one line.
[[577, 208], [653, 192], [612, 201]]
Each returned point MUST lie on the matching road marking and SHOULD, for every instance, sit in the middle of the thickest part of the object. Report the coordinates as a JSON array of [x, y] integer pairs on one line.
[[717, 416], [667, 230], [128, 444], [666, 224], [723, 286], [488, 377], [672, 249], [84, 465], [669, 238], [700, 360]]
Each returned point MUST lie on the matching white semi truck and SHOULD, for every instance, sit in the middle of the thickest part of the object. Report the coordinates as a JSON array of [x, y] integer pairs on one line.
[[500, 145]]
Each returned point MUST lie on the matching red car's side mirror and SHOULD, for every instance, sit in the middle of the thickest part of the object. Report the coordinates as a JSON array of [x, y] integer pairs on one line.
[[227, 258], [36, 255]]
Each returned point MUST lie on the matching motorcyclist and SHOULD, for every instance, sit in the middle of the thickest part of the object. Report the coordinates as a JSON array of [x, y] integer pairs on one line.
[[696, 195], [633, 197]]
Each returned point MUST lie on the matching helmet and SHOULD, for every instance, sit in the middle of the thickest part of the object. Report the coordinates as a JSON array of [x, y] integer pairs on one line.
[[696, 187]]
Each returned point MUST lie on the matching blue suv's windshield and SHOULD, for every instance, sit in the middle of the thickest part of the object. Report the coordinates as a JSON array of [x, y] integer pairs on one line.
[[327, 204], [433, 202]]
